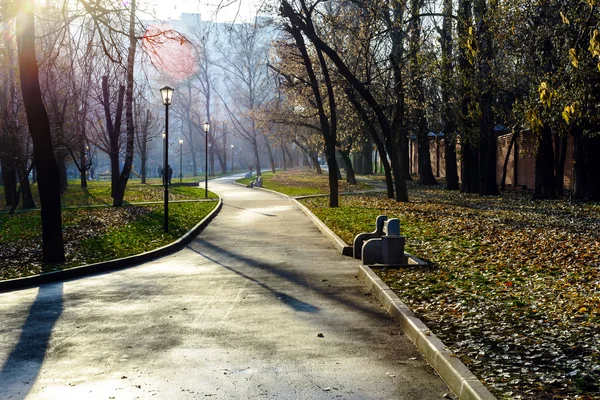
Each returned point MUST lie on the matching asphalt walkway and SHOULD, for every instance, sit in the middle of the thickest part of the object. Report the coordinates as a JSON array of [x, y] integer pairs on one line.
[[259, 305]]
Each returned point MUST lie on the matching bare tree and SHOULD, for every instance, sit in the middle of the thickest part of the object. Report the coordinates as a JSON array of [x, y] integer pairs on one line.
[[246, 81]]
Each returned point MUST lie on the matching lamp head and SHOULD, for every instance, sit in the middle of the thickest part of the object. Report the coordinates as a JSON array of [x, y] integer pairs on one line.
[[167, 94], [206, 126]]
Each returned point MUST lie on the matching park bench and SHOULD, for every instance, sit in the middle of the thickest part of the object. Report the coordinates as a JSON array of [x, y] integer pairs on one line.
[[257, 182], [104, 177], [384, 246]]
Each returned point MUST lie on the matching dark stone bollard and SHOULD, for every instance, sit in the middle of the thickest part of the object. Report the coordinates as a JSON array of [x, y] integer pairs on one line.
[[360, 239]]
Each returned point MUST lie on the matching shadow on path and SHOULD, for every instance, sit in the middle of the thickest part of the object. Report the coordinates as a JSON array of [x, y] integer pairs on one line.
[[293, 302], [290, 276], [19, 372]]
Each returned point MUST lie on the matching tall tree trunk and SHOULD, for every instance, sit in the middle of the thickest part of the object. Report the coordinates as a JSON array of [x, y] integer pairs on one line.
[[114, 131], [560, 156], [129, 145], [513, 140], [469, 139], [143, 161], [307, 28], [9, 180], [256, 157], [579, 164], [283, 160], [61, 161], [350, 176], [270, 153], [312, 156], [416, 90], [39, 127], [594, 168], [487, 143], [211, 158], [448, 121], [399, 128], [24, 186]]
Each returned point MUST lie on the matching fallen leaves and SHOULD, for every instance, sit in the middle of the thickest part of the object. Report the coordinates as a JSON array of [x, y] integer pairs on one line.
[[514, 287]]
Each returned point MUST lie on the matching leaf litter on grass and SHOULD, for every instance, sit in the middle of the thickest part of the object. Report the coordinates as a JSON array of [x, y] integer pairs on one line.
[[514, 286]]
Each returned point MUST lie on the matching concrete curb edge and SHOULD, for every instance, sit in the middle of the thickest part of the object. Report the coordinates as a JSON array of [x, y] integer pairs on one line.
[[456, 375], [112, 265], [339, 244]]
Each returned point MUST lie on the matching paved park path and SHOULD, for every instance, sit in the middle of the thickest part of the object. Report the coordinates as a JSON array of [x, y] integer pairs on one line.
[[258, 306]]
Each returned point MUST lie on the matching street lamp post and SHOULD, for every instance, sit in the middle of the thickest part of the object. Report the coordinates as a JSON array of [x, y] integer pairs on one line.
[[231, 158], [206, 128], [180, 160], [166, 93]]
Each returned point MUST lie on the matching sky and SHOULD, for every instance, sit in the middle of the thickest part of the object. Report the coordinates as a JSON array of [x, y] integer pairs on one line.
[[172, 9]]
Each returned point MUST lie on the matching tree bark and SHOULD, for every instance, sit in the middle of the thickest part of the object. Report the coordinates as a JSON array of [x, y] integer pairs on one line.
[[487, 143], [350, 176], [270, 153], [579, 164], [513, 140], [39, 128], [560, 156], [114, 131], [469, 139], [448, 120], [129, 145]]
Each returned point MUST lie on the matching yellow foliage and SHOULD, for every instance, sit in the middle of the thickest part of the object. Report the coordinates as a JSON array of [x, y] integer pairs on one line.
[[546, 94], [565, 20], [592, 3], [534, 120], [470, 45], [595, 43], [571, 111], [574, 61]]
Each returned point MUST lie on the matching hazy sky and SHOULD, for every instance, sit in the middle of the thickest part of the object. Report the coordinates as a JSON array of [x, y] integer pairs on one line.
[[172, 9]]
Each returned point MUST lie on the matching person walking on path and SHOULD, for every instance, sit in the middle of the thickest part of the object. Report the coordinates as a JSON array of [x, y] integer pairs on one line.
[[169, 173]]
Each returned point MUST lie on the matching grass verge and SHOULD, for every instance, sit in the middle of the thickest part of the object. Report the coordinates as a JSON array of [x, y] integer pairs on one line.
[[301, 183], [99, 234]]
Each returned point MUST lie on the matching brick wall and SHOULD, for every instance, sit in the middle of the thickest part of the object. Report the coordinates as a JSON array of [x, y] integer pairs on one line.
[[520, 171]]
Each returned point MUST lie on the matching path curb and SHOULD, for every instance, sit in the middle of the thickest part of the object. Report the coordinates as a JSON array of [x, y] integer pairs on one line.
[[456, 375], [112, 265]]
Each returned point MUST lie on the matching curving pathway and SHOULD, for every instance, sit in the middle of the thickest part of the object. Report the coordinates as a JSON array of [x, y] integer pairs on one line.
[[258, 306]]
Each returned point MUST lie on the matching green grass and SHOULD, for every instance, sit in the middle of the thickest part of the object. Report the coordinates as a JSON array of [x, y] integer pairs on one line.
[[98, 193], [145, 233], [300, 183], [100, 233]]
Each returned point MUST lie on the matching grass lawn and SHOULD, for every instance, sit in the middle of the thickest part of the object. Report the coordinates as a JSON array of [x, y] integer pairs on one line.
[[301, 183], [514, 284], [100, 233]]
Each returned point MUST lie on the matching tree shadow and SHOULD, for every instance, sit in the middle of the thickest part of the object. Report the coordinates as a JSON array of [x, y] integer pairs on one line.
[[342, 298], [90, 199], [291, 301], [23, 365]]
